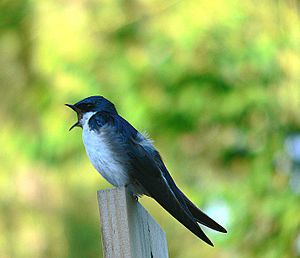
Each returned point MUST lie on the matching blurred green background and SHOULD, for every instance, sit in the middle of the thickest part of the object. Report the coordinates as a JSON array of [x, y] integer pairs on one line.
[[215, 83]]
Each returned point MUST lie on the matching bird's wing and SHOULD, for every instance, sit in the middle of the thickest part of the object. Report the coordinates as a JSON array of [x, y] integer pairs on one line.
[[147, 172], [197, 214]]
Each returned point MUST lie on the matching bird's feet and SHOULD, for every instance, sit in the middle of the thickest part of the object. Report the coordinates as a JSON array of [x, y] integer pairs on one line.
[[131, 193]]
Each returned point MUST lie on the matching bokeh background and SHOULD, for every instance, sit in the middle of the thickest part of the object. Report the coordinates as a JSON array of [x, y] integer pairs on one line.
[[215, 83]]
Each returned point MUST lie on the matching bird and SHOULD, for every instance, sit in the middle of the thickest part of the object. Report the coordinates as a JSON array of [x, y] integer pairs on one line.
[[126, 157]]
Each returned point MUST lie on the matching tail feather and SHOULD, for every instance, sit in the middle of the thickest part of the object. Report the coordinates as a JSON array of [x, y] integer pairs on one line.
[[201, 217], [171, 204]]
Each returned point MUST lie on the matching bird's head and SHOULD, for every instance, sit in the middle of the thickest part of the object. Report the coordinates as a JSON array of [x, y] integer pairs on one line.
[[91, 105]]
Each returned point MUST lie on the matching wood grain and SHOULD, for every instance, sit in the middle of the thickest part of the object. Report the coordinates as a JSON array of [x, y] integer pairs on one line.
[[127, 229]]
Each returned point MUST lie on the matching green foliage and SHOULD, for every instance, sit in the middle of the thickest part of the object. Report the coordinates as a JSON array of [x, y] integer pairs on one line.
[[216, 85]]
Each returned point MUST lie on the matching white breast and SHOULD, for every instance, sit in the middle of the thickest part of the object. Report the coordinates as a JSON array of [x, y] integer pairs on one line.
[[99, 150]]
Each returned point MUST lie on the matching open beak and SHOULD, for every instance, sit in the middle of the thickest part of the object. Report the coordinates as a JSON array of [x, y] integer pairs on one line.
[[79, 115]]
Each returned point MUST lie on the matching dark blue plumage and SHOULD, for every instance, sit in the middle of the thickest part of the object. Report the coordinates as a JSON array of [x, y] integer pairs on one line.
[[127, 158]]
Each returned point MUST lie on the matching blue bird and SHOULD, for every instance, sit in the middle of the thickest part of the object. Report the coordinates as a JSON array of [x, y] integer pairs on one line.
[[125, 157]]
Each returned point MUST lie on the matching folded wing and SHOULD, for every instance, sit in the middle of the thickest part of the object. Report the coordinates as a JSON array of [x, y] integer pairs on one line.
[[150, 177]]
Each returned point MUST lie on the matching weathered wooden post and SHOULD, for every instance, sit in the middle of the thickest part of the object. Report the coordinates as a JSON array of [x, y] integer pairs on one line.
[[127, 229]]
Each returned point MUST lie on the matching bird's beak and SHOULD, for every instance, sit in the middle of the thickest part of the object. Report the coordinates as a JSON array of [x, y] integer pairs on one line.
[[79, 115]]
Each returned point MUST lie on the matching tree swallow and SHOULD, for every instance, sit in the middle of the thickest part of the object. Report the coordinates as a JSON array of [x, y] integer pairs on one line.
[[125, 157]]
